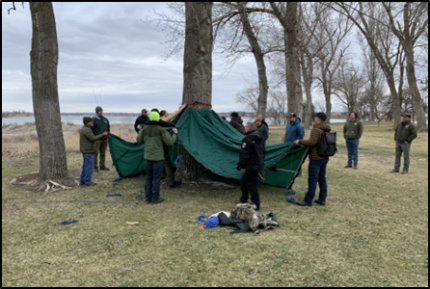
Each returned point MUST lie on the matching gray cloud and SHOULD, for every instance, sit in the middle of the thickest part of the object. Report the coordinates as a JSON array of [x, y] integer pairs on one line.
[[106, 49]]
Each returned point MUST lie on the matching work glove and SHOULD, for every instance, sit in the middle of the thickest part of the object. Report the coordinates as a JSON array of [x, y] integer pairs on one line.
[[106, 133], [239, 168]]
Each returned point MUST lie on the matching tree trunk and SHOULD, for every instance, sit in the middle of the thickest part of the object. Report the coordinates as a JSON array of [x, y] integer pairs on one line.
[[44, 65], [308, 72], [294, 88], [197, 69], [420, 114], [259, 59], [327, 95]]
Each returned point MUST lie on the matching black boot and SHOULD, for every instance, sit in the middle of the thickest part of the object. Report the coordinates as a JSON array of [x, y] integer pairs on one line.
[[96, 169], [103, 168]]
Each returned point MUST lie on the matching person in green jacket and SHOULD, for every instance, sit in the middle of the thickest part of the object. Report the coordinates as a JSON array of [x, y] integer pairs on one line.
[[406, 133], [262, 129], [154, 136], [101, 125], [353, 131], [88, 150]]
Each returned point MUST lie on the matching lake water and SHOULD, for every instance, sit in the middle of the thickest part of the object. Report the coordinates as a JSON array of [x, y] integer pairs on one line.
[[77, 120]]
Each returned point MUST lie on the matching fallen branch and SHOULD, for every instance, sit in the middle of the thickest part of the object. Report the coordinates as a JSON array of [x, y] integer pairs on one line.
[[316, 234]]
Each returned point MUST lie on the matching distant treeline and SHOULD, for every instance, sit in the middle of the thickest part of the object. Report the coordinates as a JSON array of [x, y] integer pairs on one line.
[[16, 114]]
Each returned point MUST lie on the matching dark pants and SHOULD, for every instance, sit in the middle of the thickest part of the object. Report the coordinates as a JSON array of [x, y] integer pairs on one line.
[[87, 169], [352, 152], [317, 175], [154, 172], [249, 184], [405, 149], [101, 148]]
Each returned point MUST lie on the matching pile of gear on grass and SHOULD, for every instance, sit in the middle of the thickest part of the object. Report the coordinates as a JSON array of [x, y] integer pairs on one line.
[[244, 218]]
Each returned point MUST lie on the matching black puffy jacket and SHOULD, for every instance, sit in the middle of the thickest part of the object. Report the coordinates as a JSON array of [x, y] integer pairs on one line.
[[253, 153]]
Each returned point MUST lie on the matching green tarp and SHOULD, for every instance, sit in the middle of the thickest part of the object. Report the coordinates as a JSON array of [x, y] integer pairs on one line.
[[214, 144]]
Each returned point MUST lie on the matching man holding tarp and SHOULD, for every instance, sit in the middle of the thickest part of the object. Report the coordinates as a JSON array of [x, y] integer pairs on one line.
[[154, 136]]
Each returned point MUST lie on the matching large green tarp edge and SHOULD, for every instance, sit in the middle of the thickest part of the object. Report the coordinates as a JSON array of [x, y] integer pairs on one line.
[[216, 145]]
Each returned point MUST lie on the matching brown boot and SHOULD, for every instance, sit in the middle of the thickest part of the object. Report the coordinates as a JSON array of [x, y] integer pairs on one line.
[[348, 167], [395, 171]]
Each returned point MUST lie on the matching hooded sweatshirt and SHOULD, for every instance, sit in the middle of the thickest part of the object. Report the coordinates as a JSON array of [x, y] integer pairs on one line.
[[315, 141], [252, 153], [237, 123], [295, 131]]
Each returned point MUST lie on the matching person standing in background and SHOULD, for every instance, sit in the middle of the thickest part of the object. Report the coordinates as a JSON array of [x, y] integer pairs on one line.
[[353, 131], [101, 125]]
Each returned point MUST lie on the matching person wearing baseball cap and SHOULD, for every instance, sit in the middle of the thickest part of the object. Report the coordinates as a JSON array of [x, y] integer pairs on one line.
[[155, 137], [101, 125], [88, 150], [406, 133], [295, 130], [318, 164]]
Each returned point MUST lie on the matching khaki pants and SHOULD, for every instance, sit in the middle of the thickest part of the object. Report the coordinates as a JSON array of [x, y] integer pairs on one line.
[[171, 177], [403, 148], [101, 148]]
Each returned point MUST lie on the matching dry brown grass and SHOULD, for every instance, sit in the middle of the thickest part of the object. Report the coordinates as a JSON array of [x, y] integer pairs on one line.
[[23, 142], [373, 233]]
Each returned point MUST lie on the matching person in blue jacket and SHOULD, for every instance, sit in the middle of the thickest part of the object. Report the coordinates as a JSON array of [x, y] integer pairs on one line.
[[295, 130]]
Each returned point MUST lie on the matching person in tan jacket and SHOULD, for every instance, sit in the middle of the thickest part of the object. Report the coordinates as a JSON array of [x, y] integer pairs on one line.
[[318, 164]]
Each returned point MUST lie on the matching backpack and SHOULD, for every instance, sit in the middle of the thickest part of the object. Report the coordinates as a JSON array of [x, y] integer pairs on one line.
[[246, 219], [328, 146]]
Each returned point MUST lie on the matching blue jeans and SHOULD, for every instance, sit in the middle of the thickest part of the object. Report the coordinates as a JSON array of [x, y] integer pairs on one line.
[[317, 175], [154, 172], [352, 152], [87, 169]]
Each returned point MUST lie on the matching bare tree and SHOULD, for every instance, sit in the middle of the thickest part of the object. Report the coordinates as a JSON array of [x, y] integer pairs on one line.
[[348, 85], [332, 29], [44, 68], [259, 58], [380, 41], [197, 69], [277, 110], [287, 14], [248, 98], [409, 31]]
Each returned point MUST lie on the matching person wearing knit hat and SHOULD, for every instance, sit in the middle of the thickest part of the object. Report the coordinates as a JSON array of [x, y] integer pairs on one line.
[[155, 137], [406, 133], [87, 140], [101, 125], [295, 130]]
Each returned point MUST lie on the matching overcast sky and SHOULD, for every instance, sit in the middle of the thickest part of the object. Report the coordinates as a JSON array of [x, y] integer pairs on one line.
[[106, 48]]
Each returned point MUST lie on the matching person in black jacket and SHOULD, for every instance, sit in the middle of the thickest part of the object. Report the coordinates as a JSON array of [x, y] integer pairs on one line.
[[252, 160], [141, 120]]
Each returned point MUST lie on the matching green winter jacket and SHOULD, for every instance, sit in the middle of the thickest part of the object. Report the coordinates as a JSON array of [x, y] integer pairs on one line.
[[406, 132], [101, 125], [353, 130], [155, 137], [87, 139], [264, 131]]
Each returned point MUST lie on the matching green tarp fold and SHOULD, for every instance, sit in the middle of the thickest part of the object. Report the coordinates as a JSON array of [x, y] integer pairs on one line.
[[214, 144]]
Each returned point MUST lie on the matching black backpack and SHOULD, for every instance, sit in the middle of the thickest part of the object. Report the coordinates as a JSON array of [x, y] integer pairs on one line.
[[328, 147]]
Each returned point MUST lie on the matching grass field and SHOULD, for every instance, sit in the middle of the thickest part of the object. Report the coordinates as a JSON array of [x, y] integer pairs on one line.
[[374, 231]]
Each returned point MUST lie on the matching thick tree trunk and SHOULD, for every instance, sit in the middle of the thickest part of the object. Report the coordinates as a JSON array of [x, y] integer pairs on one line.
[[197, 69], [259, 59], [294, 87], [420, 114], [44, 65]]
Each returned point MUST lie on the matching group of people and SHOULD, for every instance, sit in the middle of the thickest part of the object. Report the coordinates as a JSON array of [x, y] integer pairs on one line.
[[152, 131]]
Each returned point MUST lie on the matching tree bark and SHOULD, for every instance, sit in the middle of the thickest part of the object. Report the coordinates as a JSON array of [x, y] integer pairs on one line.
[[44, 66], [197, 70], [259, 59], [294, 87], [308, 75]]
